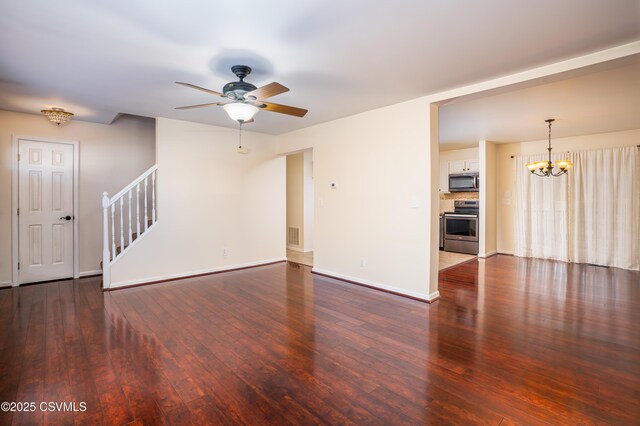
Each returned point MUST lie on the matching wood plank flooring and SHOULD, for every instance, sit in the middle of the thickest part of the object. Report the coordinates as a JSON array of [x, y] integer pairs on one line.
[[511, 341]]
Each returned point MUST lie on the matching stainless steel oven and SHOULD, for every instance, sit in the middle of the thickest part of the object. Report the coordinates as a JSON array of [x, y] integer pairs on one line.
[[461, 228], [464, 182]]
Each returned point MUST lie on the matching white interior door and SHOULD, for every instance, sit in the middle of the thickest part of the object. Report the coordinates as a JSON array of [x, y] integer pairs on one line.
[[45, 216]]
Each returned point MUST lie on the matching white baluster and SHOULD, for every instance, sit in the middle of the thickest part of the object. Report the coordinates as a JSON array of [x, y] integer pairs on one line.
[[146, 214], [138, 209], [153, 197], [110, 243], [106, 256], [129, 208], [113, 230], [121, 226]]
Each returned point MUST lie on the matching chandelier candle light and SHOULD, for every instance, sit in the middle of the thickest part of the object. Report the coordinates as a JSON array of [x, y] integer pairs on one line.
[[546, 168], [57, 115]]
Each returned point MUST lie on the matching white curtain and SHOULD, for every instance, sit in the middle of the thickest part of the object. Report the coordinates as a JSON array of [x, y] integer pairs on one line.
[[590, 215]]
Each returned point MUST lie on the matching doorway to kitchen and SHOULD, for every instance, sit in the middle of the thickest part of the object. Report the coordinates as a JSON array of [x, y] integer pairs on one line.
[[300, 209], [459, 204]]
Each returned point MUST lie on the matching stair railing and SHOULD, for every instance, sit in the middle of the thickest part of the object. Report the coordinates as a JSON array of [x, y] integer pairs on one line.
[[118, 224]]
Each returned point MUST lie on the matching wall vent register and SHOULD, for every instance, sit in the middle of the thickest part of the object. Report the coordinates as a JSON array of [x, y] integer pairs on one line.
[[293, 236]]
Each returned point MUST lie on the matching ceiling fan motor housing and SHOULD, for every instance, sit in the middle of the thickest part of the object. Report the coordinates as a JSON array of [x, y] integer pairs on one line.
[[239, 88]]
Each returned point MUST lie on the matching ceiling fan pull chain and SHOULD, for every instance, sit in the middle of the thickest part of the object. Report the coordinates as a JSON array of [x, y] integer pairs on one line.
[[240, 121]]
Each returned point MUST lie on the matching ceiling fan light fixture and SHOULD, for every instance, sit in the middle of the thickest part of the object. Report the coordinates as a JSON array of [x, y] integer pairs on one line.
[[240, 111]]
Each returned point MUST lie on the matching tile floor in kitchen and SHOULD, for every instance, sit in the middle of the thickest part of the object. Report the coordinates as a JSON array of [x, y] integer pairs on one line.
[[448, 259]]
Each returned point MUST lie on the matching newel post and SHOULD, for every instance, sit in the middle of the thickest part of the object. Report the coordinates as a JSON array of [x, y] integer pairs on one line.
[[106, 256]]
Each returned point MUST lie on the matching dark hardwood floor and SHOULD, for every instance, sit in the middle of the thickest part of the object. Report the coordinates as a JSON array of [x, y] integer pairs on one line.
[[511, 341]]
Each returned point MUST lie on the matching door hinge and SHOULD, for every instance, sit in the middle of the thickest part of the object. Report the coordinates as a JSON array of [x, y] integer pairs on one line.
[[18, 212], [18, 266], [18, 157]]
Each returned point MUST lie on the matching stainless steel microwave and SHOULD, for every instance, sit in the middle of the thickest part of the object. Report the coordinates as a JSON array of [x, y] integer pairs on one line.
[[464, 182]]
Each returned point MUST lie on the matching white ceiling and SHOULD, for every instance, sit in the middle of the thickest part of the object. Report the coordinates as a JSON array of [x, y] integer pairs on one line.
[[339, 58], [593, 102]]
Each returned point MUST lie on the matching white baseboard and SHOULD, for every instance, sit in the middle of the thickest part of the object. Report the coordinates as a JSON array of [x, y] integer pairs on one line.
[[491, 253], [433, 296], [510, 253], [6, 284], [422, 296], [197, 272], [90, 273]]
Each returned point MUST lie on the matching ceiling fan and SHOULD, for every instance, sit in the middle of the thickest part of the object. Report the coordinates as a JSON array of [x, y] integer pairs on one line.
[[244, 100]]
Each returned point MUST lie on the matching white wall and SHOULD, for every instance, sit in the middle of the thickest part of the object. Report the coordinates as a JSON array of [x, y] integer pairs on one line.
[[210, 198], [110, 157], [308, 200], [460, 154], [375, 227], [506, 172], [488, 215]]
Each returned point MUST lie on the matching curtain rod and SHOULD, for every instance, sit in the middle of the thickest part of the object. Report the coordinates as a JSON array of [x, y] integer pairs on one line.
[[637, 146]]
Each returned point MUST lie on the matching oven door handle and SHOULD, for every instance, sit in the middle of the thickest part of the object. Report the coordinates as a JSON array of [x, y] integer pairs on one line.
[[461, 216], [476, 182]]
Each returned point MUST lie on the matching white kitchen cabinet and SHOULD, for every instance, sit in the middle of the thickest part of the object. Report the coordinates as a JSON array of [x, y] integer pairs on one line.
[[464, 166], [458, 166], [473, 165]]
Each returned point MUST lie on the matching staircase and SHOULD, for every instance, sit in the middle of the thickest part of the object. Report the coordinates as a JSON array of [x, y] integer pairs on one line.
[[127, 217]]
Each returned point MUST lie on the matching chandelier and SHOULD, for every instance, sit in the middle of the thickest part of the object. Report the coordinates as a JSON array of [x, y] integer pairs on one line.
[[57, 115], [546, 168]]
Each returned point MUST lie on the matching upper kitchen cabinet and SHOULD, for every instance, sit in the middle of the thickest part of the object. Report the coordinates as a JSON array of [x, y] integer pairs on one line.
[[458, 166], [473, 165], [464, 166]]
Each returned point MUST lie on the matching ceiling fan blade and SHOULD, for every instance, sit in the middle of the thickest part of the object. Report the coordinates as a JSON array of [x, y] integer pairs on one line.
[[202, 105], [193, 86], [268, 91], [283, 109]]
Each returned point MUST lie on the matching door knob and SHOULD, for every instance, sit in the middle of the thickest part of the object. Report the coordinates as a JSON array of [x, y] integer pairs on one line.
[[66, 217]]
